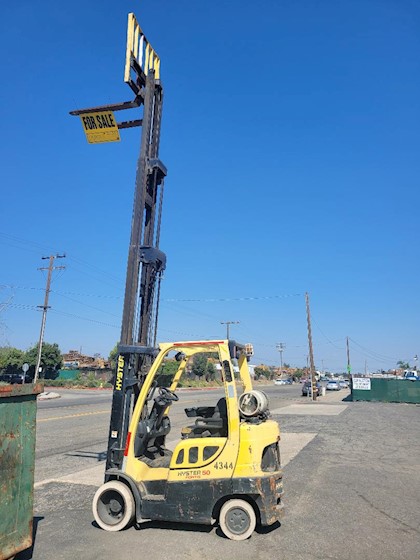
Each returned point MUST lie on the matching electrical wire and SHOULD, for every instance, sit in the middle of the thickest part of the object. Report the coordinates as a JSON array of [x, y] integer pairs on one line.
[[373, 354], [22, 306], [83, 318], [87, 305], [325, 336], [213, 300], [22, 241], [37, 246]]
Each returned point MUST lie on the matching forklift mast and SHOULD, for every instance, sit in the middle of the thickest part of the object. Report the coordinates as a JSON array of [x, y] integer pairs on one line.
[[145, 265], [146, 262]]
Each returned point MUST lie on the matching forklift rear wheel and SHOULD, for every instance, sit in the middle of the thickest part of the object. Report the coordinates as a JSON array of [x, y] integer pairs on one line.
[[237, 519], [113, 506]]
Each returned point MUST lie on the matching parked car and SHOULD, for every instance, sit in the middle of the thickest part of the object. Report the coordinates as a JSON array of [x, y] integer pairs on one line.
[[333, 386], [411, 376], [279, 382], [283, 381], [15, 378], [307, 389], [344, 384]]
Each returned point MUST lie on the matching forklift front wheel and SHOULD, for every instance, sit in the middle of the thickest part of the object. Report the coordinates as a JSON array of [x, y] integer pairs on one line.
[[237, 519], [113, 506]]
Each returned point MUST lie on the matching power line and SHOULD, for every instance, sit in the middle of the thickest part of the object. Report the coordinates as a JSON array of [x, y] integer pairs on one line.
[[90, 306], [248, 298], [373, 352], [166, 300], [325, 336], [84, 318], [38, 246]]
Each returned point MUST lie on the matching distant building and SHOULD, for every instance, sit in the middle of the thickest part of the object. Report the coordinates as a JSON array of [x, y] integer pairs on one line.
[[74, 359]]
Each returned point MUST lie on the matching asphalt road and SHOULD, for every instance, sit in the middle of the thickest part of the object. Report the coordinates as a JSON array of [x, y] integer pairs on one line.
[[352, 482]]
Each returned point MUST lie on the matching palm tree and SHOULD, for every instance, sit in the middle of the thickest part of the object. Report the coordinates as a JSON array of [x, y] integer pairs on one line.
[[403, 365]]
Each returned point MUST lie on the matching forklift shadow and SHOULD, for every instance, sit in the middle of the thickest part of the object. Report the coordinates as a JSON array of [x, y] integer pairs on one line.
[[98, 456], [190, 527], [267, 529], [260, 530], [199, 528], [172, 525]]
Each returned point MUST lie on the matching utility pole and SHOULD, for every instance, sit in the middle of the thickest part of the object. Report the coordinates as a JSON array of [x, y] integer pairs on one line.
[[348, 358], [311, 353], [227, 323], [280, 347], [45, 307]]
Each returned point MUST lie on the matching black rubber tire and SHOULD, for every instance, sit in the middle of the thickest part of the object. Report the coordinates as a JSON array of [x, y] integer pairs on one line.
[[113, 506]]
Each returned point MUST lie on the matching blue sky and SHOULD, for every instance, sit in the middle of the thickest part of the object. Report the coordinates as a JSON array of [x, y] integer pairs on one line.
[[291, 136]]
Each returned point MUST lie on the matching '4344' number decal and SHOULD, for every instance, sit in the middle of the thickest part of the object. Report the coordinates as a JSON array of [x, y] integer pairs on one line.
[[221, 465]]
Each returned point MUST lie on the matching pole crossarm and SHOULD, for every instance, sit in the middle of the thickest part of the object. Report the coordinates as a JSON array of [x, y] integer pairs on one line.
[[228, 323]]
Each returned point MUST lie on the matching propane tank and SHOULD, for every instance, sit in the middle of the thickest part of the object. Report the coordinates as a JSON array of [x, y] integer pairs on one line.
[[253, 403]]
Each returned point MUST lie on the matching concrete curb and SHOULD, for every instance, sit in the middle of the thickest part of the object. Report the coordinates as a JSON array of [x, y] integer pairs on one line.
[[47, 395]]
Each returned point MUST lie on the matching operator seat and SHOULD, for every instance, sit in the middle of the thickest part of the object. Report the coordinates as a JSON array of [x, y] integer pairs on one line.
[[211, 421]]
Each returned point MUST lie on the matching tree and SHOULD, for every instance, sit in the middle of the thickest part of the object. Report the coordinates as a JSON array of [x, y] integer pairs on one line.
[[403, 365], [51, 358], [298, 374], [211, 371], [112, 358], [263, 371], [199, 366], [167, 372], [11, 359]]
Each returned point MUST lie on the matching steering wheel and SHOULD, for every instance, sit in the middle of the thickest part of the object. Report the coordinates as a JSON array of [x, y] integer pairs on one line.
[[166, 393]]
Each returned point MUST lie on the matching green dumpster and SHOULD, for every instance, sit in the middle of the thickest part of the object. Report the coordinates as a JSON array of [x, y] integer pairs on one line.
[[17, 462]]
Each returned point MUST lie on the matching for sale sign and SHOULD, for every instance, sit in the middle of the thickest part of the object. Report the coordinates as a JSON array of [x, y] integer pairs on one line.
[[100, 127], [361, 383]]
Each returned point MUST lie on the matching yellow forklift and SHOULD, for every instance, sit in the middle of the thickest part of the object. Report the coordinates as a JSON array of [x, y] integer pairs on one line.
[[224, 467]]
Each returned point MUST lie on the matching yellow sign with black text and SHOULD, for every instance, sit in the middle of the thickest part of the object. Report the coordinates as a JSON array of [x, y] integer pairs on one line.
[[100, 127]]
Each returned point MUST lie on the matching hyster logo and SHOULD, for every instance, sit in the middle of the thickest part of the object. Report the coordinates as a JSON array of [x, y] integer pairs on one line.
[[120, 369]]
